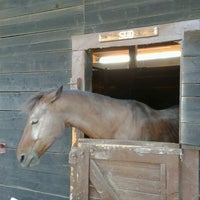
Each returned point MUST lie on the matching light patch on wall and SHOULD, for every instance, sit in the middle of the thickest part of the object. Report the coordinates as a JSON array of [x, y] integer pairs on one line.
[[114, 59], [154, 55], [161, 55]]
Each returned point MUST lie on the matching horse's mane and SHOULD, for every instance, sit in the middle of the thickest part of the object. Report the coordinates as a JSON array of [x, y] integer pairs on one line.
[[28, 105]]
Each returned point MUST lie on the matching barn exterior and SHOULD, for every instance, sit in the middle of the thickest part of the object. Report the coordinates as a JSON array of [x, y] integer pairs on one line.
[[36, 54]]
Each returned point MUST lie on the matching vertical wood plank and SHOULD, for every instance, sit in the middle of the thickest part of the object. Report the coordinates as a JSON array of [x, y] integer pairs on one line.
[[190, 175], [77, 82], [163, 181], [79, 160], [173, 179]]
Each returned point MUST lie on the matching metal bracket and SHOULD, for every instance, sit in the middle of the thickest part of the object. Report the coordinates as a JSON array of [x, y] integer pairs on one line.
[[2, 148], [76, 83]]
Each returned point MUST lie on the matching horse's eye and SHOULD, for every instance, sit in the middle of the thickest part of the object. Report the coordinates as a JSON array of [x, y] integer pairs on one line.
[[34, 122]]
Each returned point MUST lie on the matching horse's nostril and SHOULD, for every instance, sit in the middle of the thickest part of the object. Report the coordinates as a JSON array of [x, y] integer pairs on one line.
[[22, 158]]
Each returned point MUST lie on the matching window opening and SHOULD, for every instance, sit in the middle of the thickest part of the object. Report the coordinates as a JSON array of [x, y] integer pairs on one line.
[[149, 73], [167, 54]]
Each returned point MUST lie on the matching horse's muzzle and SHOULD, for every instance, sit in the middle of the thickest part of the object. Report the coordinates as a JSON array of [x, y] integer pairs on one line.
[[29, 159]]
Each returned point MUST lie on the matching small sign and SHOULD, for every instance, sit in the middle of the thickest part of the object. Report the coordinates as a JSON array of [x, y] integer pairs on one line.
[[128, 34]]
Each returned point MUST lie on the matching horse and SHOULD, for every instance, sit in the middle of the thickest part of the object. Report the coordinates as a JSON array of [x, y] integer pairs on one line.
[[97, 116]]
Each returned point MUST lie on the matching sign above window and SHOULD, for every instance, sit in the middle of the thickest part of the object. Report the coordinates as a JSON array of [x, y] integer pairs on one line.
[[128, 34]]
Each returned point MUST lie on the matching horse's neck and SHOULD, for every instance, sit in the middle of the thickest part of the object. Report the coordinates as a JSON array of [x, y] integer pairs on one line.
[[79, 112], [96, 116]]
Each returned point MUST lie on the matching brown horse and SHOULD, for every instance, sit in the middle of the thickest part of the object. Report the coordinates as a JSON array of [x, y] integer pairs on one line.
[[96, 115]]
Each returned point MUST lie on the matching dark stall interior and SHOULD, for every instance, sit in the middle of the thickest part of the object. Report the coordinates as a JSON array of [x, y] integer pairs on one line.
[[153, 81]]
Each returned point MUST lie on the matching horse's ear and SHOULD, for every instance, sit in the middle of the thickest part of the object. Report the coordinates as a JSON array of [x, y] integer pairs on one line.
[[57, 94]]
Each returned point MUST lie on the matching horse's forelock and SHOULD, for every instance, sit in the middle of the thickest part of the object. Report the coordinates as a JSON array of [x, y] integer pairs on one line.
[[28, 105]]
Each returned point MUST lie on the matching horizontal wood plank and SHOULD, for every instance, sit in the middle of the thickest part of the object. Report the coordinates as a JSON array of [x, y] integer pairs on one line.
[[130, 170], [139, 185], [51, 162], [190, 90], [42, 81], [190, 134], [192, 41], [190, 70], [51, 20], [9, 191], [10, 8], [11, 138], [39, 62], [104, 12], [33, 179], [190, 109]]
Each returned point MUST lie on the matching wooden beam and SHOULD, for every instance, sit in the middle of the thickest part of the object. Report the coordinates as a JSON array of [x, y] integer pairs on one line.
[[98, 180]]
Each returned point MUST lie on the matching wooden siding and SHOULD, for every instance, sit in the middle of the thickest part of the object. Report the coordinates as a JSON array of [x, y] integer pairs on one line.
[[35, 54], [190, 81], [116, 15]]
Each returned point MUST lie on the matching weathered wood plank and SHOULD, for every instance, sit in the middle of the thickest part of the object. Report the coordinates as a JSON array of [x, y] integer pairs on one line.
[[190, 109], [130, 195], [100, 183], [126, 143], [51, 162], [127, 169], [10, 8], [139, 185], [40, 62], [53, 41], [190, 134], [51, 20], [190, 175], [149, 18], [8, 191], [107, 11], [191, 44], [37, 48], [10, 120], [12, 101], [190, 90], [41, 80], [190, 69], [79, 160], [34, 180], [44, 37]]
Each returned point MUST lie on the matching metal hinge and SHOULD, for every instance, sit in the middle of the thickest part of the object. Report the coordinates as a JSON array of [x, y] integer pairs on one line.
[[181, 155]]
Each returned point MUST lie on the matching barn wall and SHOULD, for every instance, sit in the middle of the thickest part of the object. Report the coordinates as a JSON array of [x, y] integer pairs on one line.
[[116, 15], [35, 54], [190, 83]]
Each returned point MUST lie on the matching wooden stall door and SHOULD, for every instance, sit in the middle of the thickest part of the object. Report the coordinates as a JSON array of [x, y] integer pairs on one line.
[[121, 170]]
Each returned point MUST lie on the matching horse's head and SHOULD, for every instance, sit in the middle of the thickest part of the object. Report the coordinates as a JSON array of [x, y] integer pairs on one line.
[[44, 125]]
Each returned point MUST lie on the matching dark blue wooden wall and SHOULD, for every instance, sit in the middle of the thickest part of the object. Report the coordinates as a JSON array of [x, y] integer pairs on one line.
[[35, 54]]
